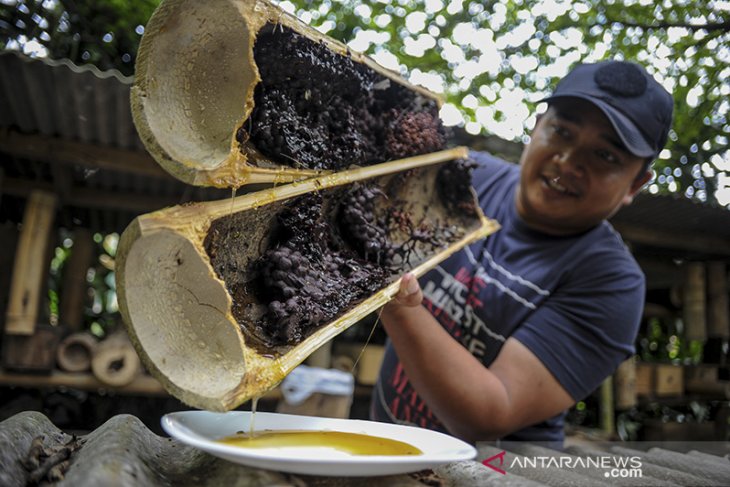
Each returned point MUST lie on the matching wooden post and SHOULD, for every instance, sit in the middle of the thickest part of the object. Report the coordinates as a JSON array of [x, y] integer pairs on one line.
[[694, 301], [31, 267], [625, 382], [607, 411], [8, 244], [718, 315], [74, 290], [644, 379]]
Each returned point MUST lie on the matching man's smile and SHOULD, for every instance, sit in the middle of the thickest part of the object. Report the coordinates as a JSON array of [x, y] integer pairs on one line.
[[556, 184]]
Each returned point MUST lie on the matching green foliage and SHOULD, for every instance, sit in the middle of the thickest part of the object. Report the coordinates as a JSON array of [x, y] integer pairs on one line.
[[101, 315], [105, 33], [60, 256], [663, 340], [492, 60], [518, 49], [101, 311], [631, 425]]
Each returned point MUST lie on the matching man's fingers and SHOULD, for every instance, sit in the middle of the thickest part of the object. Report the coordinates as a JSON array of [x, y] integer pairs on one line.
[[412, 286], [409, 293]]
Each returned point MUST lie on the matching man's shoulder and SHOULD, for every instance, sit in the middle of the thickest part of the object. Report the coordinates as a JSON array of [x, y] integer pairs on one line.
[[596, 255], [604, 248], [486, 159], [492, 174]]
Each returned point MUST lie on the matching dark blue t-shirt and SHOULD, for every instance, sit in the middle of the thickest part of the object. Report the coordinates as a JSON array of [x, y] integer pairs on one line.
[[575, 302]]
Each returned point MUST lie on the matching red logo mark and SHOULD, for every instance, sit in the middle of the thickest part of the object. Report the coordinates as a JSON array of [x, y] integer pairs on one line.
[[488, 462]]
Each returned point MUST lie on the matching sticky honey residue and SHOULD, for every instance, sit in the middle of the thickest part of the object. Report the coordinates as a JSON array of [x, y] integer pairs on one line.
[[350, 443]]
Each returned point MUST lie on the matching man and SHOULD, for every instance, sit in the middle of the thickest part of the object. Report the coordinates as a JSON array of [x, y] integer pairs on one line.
[[504, 336]]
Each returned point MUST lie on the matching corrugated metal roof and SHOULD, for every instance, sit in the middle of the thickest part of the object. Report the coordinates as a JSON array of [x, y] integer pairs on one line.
[[58, 98], [80, 104]]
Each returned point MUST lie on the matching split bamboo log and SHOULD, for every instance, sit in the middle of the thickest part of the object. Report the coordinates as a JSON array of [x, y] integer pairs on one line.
[[75, 352], [233, 92], [194, 313], [115, 362], [31, 264]]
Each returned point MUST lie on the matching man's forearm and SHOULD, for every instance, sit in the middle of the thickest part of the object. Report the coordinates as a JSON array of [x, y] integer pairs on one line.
[[467, 398]]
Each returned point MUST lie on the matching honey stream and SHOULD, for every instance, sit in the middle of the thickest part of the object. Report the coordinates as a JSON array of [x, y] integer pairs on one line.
[[233, 204], [370, 336], [252, 421]]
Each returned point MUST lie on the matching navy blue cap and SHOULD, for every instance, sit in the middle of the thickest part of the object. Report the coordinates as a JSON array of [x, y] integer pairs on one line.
[[637, 106]]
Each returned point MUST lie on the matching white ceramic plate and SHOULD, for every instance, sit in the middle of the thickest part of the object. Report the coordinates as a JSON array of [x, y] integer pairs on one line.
[[201, 428]]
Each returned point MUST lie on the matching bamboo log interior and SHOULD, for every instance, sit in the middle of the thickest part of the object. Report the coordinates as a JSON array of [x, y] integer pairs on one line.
[[180, 313], [201, 66]]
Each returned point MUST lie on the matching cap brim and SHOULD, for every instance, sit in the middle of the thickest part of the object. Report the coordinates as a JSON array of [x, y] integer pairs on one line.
[[629, 133]]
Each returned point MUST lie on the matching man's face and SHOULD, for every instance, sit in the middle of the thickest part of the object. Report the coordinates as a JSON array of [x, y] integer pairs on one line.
[[576, 171]]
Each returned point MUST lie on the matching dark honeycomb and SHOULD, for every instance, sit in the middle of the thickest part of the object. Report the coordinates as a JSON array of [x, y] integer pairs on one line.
[[413, 133], [361, 227], [308, 278], [323, 253], [315, 109], [454, 186]]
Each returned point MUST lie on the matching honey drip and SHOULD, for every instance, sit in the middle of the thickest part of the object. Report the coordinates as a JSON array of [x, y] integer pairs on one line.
[[351, 443], [252, 421], [233, 200], [230, 212], [359, 356]]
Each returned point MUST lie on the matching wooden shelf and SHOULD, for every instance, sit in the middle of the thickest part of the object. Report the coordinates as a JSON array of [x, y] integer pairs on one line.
[[143, 385]]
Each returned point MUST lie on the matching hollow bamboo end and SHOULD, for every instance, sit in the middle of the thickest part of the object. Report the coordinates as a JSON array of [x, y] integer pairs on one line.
[[177, 318], [194, 82]]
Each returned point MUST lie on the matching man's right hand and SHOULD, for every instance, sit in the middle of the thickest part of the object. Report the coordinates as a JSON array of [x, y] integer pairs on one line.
[[409, 293]]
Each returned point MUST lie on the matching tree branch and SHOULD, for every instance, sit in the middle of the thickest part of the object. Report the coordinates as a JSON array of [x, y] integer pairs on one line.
[[710, 27]]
